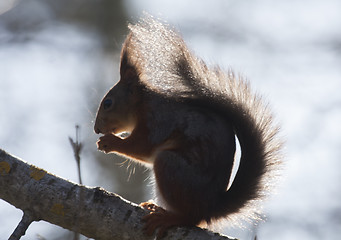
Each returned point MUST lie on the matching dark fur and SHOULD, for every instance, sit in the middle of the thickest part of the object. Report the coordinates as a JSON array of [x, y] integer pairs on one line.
[[184, 117]]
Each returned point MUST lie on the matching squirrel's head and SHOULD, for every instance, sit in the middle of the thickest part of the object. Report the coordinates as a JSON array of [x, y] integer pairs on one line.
[[119, 108]]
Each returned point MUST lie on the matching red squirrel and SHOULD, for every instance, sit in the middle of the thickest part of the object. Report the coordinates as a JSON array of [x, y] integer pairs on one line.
[[182, 118]]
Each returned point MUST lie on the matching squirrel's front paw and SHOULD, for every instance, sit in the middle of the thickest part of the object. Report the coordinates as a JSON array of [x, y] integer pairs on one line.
[[106, 143]]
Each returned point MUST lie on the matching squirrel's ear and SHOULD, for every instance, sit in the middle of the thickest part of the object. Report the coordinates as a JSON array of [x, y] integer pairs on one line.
[[128, 71]]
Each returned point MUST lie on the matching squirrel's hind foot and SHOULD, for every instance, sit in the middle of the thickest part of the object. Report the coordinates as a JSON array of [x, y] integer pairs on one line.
[[161, 219]]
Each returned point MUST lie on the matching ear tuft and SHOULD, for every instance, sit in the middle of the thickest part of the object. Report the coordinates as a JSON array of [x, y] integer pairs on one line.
[[128, 69]]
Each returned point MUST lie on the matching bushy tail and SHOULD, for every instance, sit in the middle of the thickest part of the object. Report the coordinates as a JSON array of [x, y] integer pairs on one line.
[[260, 148], [257, 135]]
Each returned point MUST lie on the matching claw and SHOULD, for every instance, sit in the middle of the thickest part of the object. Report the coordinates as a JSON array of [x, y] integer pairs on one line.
[[150, 206]]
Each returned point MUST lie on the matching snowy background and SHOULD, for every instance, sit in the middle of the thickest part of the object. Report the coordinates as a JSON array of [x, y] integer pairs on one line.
[[57, 60]]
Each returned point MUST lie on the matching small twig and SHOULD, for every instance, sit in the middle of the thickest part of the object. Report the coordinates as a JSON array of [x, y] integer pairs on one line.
[[23, 225], [77, 147]]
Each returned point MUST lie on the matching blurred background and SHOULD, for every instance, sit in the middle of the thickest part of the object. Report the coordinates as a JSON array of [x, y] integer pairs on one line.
[[59, 58]]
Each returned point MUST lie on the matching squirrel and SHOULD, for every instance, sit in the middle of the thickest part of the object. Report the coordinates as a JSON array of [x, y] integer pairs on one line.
[[183, 118]]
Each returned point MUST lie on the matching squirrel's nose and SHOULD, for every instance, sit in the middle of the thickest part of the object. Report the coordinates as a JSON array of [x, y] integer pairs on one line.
[[97, 130]]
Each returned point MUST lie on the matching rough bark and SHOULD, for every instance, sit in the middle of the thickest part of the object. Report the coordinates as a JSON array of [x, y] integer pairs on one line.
[[92, 212]]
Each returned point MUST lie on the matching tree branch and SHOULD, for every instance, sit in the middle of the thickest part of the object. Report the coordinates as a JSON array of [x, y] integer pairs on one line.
[[92, 212], [20, 230]]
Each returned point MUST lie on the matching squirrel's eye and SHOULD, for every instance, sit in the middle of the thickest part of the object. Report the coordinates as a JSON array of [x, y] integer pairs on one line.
[[107, 103]]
